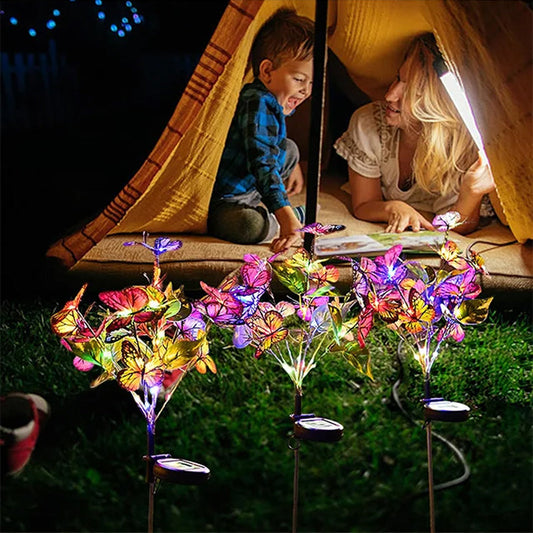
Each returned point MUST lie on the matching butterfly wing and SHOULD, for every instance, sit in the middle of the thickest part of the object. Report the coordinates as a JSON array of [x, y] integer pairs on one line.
[[268, 329], [447, 221], [66, 321], [316, 228], [138, 371], [364, 325], [132, 299]]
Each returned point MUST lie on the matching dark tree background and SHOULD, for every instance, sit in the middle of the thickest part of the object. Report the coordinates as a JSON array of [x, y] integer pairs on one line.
[[81, 111]]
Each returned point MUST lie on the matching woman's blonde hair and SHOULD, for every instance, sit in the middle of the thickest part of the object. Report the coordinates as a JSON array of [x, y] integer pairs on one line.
[[445, 148]]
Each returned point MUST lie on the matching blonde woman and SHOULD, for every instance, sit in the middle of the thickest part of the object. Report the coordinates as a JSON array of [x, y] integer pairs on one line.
[[411, 156]]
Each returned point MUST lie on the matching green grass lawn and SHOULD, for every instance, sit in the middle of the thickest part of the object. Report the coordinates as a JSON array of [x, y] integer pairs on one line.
[[87, 472]]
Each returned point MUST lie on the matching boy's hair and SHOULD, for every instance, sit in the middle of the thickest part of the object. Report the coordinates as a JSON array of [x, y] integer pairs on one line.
[[284, 36]]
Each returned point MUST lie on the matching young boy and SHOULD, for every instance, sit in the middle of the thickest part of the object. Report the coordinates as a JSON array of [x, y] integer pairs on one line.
[[259, 164]]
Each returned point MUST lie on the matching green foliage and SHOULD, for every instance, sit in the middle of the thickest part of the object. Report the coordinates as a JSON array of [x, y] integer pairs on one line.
[[87, 472]]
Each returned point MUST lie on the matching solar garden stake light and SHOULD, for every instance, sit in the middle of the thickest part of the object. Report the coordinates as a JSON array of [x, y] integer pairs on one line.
[[316, 320], [312, 428], [438, 409], [147, 338], [424, 306]]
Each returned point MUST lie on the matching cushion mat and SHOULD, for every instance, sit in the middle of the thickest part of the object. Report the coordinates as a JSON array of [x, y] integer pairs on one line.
[[110, 264]]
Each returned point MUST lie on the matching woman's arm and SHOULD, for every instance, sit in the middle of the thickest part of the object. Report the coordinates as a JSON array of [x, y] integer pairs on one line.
[[477, 182], [368, 204]]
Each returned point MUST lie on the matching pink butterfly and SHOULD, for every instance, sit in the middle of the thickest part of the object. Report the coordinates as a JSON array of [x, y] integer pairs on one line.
[[316, 228], [364, 325], [221, 307], [130, 303], [255, 272]]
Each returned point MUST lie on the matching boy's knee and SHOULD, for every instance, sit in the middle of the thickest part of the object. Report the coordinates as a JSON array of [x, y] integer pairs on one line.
[[239, 224]]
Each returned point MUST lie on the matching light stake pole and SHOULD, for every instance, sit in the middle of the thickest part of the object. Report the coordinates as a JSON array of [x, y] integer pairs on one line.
[[296, 415], [445, 411], [150, 439]]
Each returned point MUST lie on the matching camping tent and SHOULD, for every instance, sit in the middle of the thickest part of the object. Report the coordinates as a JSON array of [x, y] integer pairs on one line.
[[487, 42]]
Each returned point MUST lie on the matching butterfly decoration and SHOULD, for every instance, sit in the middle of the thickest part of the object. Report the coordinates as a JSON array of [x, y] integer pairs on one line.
[[133, 304], [447, 221], [448, 251], [219, 306], [296, 331], [139, 371], [256, 272], [190, 327], [147, 336], [267, 329], [307, 306], [458, 285], [389, 268], [316, 228], [418, 315], [67, 321], [324, 275], [161, 245]]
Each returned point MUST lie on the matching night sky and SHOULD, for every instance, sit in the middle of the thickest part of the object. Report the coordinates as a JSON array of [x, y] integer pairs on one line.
[[73, 137]]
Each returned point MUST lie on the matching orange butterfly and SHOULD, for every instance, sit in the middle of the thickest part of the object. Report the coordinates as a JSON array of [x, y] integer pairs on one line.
[[268, 329], [67, 321], [418, 313]]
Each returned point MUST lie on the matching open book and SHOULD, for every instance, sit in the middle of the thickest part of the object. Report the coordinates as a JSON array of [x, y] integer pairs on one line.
[[378, 243]]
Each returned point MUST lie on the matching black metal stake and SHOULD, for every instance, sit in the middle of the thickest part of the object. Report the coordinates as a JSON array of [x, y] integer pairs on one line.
[[150, 437], [316, 127], [297, 412], [430, 478], [427, 394]]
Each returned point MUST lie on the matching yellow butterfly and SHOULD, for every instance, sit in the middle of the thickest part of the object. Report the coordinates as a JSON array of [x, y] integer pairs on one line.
[[140, 371]]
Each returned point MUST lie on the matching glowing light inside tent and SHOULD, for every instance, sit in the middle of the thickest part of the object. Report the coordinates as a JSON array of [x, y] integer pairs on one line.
[[101, 15], [460, 100], [56, 12], [13, 21], [461, 103], [32, 32], [51, 24]]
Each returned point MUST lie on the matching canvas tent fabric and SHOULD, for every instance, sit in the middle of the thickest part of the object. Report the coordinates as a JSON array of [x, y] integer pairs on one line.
[[487, 42]]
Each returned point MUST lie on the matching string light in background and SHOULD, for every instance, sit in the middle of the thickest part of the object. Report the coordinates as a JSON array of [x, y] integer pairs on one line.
[[125, 25]]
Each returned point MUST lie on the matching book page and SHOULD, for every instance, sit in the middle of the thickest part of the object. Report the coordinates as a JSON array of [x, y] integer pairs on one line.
[[377, 243]]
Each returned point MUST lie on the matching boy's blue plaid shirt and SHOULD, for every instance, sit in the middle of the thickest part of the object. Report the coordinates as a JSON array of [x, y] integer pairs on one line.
[[255, 149]]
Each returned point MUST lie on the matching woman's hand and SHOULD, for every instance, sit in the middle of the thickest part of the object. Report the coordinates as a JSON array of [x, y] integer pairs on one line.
[[402, 216], [478, 179], [477, 182]]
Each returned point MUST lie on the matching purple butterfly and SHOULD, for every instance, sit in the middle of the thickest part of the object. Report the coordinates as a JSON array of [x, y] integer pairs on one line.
[[161, 245], [389, 268], [316, 228]]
